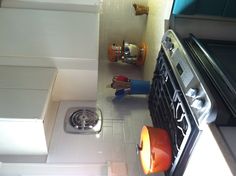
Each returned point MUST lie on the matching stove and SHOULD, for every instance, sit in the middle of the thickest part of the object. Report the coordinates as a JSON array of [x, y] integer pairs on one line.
[[179, 100], [169, 110]]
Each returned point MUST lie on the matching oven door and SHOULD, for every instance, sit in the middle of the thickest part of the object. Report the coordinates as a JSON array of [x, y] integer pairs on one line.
[[216, 59], [170, 111]]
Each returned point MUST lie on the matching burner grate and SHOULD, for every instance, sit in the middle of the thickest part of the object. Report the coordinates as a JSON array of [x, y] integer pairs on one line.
[[168, 109]]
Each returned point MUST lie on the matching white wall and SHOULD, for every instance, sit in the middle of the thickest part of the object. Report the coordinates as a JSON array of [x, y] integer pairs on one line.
[[118, 23], [159, 10]]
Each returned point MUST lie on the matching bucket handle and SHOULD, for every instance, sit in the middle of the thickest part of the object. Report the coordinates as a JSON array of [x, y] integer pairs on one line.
[[139, 147]]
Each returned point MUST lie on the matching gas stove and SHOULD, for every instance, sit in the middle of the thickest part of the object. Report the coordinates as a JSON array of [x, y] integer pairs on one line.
[[179, 101], [169, 111], [194, 84]]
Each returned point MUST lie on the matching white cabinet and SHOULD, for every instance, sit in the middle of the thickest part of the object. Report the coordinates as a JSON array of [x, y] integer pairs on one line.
[[66, 40], [66, 5], [25, 77], [45, 34], [24, 97]]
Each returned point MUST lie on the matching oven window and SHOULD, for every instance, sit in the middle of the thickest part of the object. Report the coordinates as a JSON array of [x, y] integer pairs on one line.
[[224, 58], [179, 68]]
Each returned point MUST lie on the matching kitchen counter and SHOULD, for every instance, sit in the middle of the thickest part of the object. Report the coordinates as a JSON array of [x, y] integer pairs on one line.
[[211, 155]]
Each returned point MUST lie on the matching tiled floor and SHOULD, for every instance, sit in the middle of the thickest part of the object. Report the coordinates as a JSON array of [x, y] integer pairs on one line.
[[124, 119]]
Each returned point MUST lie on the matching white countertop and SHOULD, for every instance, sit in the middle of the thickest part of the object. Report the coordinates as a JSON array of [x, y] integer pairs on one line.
[[211, 156]]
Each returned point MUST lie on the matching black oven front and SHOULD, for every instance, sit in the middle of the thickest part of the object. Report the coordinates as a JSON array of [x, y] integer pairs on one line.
[[217, 61], [183, 98]]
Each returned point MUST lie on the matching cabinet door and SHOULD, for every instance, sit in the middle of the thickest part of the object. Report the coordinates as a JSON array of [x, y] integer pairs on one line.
[[186, 7], [65, 5], [24, 97], [16, 77], [222, 8], [22, 103], [24, 91], [210, 7], [229, 10], [22, 137], [48, 34]]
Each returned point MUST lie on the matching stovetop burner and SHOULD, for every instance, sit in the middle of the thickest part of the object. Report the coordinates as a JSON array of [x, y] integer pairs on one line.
[[85, 120]]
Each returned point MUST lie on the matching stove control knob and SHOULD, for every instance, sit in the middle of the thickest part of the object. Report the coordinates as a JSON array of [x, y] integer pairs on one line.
[[192, 93], [170, 46], [197, 103], [168, 39]]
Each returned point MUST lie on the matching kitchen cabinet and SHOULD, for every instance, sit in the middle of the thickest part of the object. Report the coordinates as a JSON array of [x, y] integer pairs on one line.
[[37, 38], [223, 8], [66, 40], [18, 77], [72, 5], [230, 9], [186, 7], [45, 34], [24, 98]]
